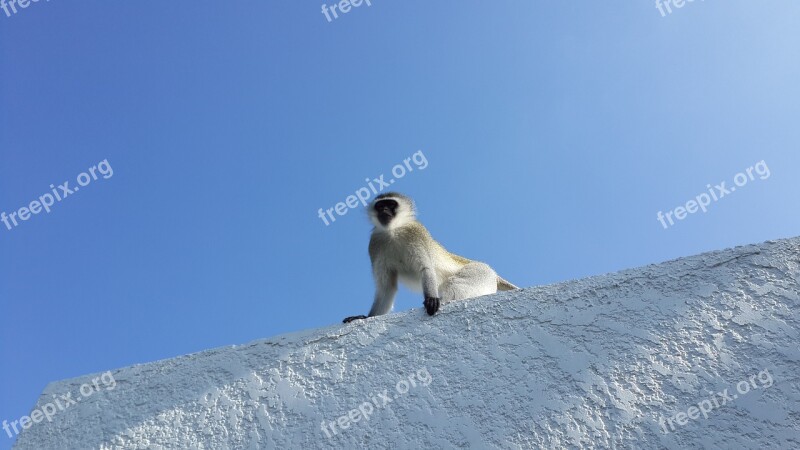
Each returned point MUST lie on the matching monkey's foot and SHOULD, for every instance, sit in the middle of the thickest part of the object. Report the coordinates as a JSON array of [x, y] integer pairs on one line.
[[431, 305], [352, 318]]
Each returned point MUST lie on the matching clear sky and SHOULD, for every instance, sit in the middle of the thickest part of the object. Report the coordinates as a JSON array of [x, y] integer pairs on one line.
[[553, 134]]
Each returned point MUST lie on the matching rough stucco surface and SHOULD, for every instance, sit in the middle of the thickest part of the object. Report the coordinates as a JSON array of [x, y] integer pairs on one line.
[[588, 363]]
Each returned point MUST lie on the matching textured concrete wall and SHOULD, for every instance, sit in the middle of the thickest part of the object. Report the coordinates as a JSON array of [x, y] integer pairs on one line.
[[641, 358]]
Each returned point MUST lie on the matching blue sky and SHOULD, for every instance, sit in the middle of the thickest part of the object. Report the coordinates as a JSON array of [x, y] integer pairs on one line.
[[554, 132]]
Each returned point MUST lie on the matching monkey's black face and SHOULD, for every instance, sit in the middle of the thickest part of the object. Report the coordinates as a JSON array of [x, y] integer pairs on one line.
[[386, 211]]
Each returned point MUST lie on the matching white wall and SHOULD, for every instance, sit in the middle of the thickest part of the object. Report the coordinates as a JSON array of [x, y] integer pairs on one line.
[[594, 361]]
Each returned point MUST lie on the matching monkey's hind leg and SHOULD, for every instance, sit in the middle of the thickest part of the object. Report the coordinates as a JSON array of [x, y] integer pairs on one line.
[[472, 280]]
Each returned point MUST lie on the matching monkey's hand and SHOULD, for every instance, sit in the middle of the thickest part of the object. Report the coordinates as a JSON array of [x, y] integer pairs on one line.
[[352, 318], [431, 305]]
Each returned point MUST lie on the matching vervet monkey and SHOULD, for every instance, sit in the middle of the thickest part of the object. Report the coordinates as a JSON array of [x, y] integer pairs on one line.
[[402, 249]]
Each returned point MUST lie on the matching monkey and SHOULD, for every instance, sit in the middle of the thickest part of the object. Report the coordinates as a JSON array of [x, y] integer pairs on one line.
[[401, 249]]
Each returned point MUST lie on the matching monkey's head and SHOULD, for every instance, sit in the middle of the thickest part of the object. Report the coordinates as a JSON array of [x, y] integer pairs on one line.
[[391, 210]]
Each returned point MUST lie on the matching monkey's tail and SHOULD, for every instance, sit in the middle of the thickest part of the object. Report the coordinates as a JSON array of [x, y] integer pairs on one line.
[[503, 285]]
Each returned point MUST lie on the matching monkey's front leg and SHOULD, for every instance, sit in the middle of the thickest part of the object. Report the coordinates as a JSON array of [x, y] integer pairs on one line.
[[430, 289], [385, 292]]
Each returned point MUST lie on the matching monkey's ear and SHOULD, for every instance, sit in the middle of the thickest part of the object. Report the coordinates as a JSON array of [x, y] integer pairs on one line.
[[352, 318]]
